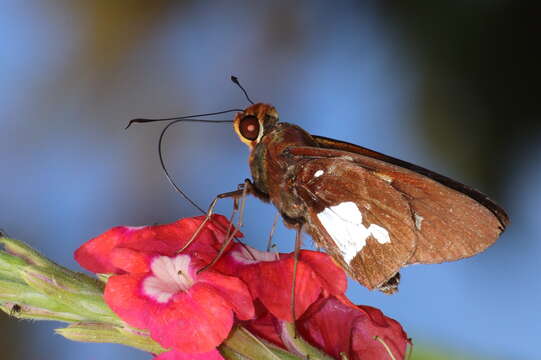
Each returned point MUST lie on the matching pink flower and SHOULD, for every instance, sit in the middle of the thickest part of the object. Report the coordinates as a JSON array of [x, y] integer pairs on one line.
[[270, 277], [190, 312]]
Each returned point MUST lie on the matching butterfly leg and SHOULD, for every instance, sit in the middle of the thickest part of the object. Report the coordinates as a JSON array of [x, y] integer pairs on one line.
[[246, 188], [270, 245], [234, 194], [243, 190], [298, 244]]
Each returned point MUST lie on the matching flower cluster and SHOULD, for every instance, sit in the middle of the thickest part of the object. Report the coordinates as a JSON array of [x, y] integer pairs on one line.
[[191, 309]]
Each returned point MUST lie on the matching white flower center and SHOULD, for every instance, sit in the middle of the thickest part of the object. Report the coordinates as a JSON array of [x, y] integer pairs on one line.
[[169, 276]]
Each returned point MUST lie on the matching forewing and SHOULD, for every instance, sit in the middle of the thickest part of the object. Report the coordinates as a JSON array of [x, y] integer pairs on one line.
[[359, 218], [449, 224], [481, 198]]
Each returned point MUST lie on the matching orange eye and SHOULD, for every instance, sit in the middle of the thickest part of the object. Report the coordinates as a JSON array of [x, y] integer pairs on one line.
[[249, 127]]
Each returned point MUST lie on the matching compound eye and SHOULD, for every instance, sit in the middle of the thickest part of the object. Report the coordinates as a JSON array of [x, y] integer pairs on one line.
[[249, 127]]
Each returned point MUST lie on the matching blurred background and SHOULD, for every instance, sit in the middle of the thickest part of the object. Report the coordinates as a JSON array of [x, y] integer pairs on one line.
[[452, 86]]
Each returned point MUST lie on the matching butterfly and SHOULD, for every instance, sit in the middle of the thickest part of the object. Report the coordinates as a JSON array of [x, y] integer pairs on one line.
[[373, 213]]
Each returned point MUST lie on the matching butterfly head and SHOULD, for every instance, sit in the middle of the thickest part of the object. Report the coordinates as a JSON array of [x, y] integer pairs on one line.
[[251, 124]]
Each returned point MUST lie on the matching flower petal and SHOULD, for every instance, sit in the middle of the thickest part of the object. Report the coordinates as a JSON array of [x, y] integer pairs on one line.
[[167, 239], [94, 254], [130, 261], [332, 276], [265, 325], [269, 277], [388, 330], [327, 325], [233, 290], [357, 331], [194, 322], [272, 282], [177, 355], [124, 297]]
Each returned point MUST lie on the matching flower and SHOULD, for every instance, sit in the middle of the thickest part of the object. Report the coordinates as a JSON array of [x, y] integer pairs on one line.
[[189, 312], [102, 253], [270, 277], [157, 289], [360, 332], [336, 327]]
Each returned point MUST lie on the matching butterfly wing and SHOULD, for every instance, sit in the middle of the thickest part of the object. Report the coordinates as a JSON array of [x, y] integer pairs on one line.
[[359, 218], [427, 217], [481, 198]]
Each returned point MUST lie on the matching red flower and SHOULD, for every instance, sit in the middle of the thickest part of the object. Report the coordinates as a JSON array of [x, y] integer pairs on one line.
[[100, 254], [270, 277], [189, 312], [360, 332], [158, 289], [265, 325]]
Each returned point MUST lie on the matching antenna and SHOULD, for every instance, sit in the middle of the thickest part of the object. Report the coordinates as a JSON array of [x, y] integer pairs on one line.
[[140, 120], [236, 82], [172, 122]]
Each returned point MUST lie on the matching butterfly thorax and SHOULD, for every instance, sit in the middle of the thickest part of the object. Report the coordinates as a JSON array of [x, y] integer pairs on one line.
[[273, 167]]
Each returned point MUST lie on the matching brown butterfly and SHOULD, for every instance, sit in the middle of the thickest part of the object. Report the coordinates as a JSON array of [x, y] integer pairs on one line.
[[372, 213]]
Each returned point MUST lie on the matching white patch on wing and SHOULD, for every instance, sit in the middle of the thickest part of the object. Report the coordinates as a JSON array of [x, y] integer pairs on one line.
[[379, 233], [418, 221], [319, 173], [384, 177], [344, 223]]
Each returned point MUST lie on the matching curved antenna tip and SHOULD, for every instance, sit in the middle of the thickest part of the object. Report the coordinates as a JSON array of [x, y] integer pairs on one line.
[[237, 82], [130, 122], [139, 120]]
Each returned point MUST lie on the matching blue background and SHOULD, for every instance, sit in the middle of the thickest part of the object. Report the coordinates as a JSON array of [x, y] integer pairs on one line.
[[73, 73]]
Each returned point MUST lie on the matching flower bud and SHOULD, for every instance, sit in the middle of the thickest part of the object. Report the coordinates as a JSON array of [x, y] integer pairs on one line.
[[9, 266], [22, 251], [107, 333], [70, 291]]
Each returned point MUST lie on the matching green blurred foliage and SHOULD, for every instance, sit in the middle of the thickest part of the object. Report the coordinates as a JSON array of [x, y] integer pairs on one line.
[[480, 93]]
